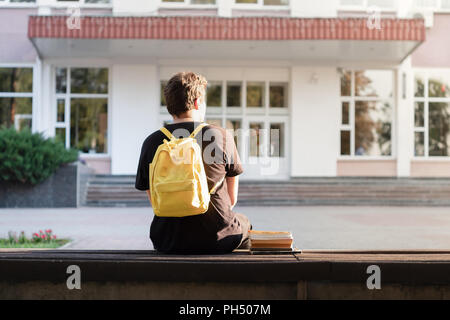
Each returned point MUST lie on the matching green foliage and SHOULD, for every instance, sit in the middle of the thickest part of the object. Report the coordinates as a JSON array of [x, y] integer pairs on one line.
[[30, 157]]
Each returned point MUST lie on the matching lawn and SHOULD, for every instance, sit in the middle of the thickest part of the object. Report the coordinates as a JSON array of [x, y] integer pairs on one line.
[[39, 240], [5, 243]]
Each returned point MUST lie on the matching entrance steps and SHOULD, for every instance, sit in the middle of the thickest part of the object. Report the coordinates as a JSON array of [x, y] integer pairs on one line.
[[119, 191]]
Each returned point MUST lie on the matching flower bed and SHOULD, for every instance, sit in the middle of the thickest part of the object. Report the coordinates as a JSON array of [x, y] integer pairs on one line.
[[39, 239]]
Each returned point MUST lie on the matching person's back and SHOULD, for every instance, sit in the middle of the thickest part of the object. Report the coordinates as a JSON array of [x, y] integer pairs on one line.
[[219, 229]]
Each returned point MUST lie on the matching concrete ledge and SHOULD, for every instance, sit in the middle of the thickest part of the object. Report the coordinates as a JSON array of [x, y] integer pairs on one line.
[[66, 188], [149, 275]]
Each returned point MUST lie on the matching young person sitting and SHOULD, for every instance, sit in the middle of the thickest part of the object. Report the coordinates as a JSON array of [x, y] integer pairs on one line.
[[219, 229]]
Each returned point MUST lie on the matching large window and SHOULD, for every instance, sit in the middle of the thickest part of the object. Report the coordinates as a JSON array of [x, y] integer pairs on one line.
[[255, 3], [365, 4], [15, 2], [264, 2], [82, 108], [432, 114], [16, 97], [366, 110], [189, 1], [58, 3], [435, 5], [87, 2], [264, 104]]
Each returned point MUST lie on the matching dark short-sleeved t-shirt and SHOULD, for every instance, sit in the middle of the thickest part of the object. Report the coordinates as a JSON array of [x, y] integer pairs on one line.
[[216, 231]]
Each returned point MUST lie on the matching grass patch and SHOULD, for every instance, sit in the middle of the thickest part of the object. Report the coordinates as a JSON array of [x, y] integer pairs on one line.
[[5, 243], [39, 240]]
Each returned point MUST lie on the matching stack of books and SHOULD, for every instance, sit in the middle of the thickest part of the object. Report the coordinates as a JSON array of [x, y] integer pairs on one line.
[[271, 240]]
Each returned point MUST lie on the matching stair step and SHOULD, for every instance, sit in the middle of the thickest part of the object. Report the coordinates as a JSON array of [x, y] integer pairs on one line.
[[119, 190]]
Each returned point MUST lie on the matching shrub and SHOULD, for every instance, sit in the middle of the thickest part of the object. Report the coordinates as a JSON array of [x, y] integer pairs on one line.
[[29, 157]]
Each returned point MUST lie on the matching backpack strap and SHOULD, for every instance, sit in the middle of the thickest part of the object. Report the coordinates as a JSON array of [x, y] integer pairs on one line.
[[213, 189], [197, 130], [167, 133]]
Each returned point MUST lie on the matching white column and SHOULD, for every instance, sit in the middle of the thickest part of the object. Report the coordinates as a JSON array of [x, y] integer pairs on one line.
[[37, 94], [135, 7], [224, 8], [405, 118], [314, 121], [42, 100], [135, 113], [314, 9]]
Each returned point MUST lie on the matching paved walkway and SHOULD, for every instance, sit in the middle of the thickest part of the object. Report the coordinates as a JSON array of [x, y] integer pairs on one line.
[[313, 227]]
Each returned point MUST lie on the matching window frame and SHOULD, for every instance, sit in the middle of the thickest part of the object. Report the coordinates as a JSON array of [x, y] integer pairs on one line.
[[351, 126], [186, 4], [260, 5], [364, 6], [31, 95], [67, 97], [435, 8], [56, 4], [243, 109], [426, 72], [265, 114], [9, 4], [79, 3]]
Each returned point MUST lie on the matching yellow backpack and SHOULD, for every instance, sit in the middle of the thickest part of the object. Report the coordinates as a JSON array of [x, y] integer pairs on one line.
[[177, 177]]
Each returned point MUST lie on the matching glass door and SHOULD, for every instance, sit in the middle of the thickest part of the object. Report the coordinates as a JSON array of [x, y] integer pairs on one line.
[[264, 143]]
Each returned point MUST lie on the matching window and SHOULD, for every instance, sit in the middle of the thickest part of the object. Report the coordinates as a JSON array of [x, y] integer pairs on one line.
[[255, 139], [432, 114], [366, 110], [213, 2], [82, 108], [233, 124], [435, 5], [264, 2], [276, 140], [366, 4], [214, 94], [250, 105], [278, 95], [17, 2], [255, 94], [162, 99], [88, 2], [16, 97], [228, 101], [234, 91]]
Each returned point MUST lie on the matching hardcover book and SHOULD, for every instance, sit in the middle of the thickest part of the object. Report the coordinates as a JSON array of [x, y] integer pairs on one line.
[[271, 240]]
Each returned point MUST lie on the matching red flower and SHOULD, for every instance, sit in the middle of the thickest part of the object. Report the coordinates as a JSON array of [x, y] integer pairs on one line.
[[48, 231], [54, 237]]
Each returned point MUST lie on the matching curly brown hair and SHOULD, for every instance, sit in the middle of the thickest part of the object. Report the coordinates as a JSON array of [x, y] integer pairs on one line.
[[182, 90]]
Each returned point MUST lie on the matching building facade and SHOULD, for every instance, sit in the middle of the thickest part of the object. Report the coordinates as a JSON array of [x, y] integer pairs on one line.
[[351, 87]]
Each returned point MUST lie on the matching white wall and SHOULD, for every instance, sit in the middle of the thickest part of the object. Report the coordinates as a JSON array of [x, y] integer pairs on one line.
[[134, 7], [313, 9], [135, 113], [315, 121]]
